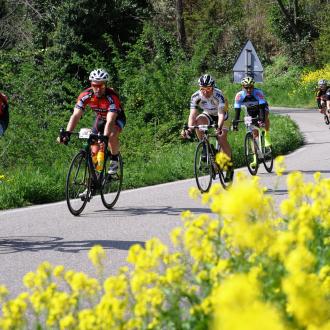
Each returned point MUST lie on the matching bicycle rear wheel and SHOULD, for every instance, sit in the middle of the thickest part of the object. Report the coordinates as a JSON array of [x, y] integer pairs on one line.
[[78, 184], [268, 159], [251, 158], [111, 184], [203, 167]]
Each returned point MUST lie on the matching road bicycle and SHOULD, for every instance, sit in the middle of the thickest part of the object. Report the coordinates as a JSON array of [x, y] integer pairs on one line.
[[205, 166], [255, 151], [83, 179]]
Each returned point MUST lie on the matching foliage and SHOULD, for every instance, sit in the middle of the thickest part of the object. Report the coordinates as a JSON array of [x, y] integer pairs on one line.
[[273, 276], [298, 27]]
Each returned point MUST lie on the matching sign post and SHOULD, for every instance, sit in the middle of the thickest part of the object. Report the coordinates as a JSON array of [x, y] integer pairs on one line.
[[248, 64]]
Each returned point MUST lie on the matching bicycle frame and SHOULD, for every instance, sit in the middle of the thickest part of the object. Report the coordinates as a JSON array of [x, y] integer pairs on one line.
[[91, 139]]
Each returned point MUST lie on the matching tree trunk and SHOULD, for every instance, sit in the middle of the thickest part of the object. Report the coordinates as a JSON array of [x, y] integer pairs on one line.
[[180, 23], [291, 21]]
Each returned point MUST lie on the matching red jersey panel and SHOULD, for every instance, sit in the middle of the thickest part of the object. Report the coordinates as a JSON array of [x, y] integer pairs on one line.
[[101, 105]]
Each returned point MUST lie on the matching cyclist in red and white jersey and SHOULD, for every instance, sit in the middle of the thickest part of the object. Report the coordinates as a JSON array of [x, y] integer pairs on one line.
[[4, 113], [110, 117]]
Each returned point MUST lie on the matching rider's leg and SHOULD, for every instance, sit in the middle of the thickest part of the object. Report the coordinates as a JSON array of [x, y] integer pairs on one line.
[[267, 128], [225, 146], [201, 120], [255, 137], [223, 141]]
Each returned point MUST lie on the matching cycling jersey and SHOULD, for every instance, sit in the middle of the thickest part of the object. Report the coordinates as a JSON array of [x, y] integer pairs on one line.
[[255, 103], [322, 95], [212, 105], [249, 101], [100, 105]]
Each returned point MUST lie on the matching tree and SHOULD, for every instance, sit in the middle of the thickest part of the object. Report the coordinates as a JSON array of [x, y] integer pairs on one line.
[[180, 24]]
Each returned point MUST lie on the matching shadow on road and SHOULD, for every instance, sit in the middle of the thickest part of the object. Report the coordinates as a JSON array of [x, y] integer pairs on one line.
[[14, 244], [155, 210], [317, 143], [307, 171]]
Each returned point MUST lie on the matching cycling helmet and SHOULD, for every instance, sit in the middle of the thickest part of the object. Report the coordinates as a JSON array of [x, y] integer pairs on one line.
[[206, 81], [99, 75], [248, 81], [322, 82]]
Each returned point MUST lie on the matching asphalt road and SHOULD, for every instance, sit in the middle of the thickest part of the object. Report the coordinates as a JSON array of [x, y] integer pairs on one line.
[[32, 235]]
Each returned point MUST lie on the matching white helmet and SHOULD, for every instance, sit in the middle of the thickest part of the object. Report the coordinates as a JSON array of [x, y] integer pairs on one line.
[[322, 82], [99, 75]]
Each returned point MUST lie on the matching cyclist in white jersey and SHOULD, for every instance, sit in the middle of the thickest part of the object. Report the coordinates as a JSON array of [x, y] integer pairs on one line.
[[214, 106]]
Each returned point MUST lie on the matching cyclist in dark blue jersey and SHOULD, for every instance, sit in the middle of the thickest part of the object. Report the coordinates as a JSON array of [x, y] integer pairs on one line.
[[256, 105]]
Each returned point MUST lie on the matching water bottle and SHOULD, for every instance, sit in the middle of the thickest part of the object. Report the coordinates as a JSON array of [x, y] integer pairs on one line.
[[100, 160], [94, 159]]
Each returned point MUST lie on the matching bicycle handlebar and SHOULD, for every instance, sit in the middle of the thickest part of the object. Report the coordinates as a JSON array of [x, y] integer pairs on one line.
[[85, 135], [201, 127]]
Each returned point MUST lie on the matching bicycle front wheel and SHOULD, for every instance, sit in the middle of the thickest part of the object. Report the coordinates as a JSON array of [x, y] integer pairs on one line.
[[251, 158], [268, 159], [203, 167], [78, 184], [224, 180], [111, 184]]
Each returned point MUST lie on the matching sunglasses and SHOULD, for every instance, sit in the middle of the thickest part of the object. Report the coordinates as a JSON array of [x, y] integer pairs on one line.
[[248, 87], [98, 85], [207, 89]]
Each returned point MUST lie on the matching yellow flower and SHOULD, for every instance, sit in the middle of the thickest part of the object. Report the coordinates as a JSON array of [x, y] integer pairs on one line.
[[97, 256], [59, 271], [67, 322], [279, 165], [3, 292], [238, 306], [223, 161]]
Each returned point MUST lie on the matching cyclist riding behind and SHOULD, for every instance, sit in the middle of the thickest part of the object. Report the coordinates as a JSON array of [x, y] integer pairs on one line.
[[214, 108], [257, 107], [4, 113], [110, 117], [323, 96]]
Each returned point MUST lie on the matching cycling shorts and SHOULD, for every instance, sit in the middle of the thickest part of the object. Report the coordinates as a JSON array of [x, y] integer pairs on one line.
[[214, 120], [100, 122]]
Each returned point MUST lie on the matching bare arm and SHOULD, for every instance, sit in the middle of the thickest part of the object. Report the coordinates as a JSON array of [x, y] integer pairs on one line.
[[74, 119], [221, 115], [192, 117], [110, 124]]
